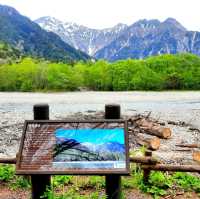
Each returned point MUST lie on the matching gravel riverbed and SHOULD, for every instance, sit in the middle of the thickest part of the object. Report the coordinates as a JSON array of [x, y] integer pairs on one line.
[[164, 106]]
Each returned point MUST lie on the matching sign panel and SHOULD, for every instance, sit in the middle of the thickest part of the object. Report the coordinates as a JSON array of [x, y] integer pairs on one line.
[[74, 147]]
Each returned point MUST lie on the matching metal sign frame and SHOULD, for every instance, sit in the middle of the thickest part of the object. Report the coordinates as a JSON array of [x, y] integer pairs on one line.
[[67, 171]]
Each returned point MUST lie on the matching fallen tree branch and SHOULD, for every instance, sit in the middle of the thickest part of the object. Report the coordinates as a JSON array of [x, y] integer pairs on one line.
[[148, 115], [194, 145], [179, 123], [194, 129], [182, 150]]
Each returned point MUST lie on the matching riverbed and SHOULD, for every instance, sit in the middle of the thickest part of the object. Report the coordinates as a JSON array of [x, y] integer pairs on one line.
[[15, 107]]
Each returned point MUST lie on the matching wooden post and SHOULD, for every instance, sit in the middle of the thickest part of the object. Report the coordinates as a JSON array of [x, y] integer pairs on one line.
[[146, 172], [40, 183], [112, 111], [113, 182]]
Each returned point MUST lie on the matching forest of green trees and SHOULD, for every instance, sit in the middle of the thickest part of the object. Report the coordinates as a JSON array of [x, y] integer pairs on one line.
[[164, 72]]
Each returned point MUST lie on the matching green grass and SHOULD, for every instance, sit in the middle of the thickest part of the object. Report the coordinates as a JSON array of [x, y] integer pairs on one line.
[[163, 183], [93, 187], [7, 176], [7, 172], [73, 194]]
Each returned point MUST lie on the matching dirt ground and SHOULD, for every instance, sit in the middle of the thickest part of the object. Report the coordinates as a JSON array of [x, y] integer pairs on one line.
[[7, 193]]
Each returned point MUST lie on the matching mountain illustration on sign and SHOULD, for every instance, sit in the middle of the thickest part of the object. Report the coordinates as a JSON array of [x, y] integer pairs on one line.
[[79, 145]]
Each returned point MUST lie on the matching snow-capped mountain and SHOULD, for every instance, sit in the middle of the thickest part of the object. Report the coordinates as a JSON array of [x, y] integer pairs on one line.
[[142, 39], [81, 37]]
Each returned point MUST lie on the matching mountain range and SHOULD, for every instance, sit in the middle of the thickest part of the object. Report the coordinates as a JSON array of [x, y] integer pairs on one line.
[[55, 40], [72, 150], [142, 39], [27, 36]]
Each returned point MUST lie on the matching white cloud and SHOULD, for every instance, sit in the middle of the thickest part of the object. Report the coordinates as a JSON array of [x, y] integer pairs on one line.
[[106, 13]]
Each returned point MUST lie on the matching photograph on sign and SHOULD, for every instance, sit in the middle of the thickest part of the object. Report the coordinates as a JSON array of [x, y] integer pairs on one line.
[[89, 148], [73, 147]]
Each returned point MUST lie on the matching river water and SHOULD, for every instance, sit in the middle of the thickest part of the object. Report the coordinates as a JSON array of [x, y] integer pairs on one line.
[[15, 107]]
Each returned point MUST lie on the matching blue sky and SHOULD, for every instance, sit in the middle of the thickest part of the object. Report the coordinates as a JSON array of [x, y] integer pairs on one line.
[[95, 136], [107, 13]]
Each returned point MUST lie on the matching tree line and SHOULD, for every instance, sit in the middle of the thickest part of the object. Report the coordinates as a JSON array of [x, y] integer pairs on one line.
[[163, 72]]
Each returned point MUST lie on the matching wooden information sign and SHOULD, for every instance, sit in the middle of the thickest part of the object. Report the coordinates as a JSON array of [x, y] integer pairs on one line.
[[74, 147]]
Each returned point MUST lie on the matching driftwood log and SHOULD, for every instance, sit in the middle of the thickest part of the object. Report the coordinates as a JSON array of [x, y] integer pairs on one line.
[[153, 128], [196, 156], [149, 143]]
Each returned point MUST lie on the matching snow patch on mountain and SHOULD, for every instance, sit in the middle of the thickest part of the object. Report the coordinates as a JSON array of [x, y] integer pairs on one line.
[[81, 37]]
